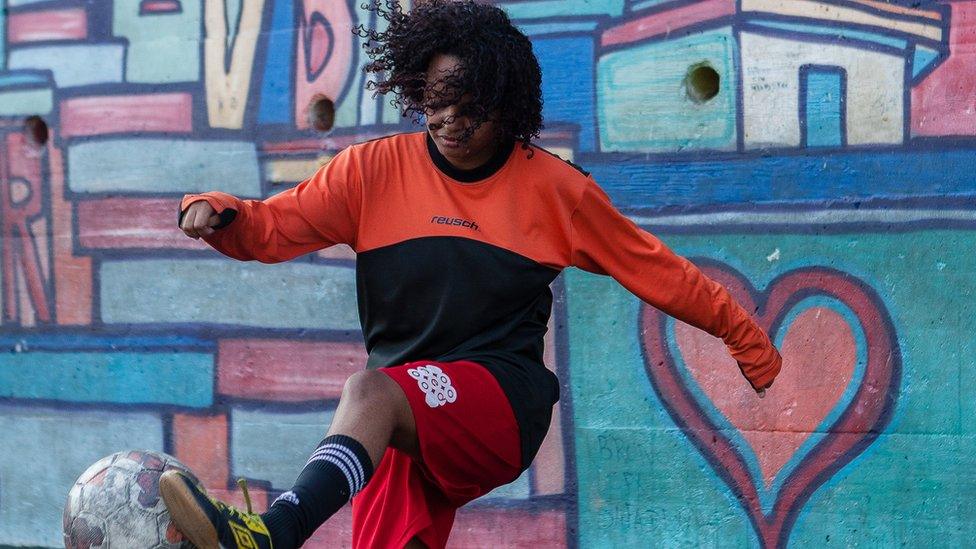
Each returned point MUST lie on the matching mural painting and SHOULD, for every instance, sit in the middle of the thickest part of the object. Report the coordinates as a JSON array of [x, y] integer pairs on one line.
[[815, 156]]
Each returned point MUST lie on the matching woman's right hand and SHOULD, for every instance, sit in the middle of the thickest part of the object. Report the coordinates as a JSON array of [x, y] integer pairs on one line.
[[199, 219]]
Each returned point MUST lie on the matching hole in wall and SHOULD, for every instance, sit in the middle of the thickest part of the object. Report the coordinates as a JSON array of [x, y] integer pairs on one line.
[[321, 113], [36, 129], [702, 83]]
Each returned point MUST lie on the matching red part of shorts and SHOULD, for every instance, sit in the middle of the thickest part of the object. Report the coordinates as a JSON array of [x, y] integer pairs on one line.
[[469, 445]]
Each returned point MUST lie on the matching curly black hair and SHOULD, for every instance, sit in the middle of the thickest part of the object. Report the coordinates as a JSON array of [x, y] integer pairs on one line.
[[499, 79]]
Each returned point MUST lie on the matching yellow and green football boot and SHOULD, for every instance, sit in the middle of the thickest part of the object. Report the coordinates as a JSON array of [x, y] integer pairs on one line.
[[208, 523]]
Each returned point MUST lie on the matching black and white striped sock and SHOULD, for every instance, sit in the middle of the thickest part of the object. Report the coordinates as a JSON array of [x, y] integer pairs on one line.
[[338, 469]]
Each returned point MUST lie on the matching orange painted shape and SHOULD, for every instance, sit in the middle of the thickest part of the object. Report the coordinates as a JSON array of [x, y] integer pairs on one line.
[[200, 442], [286, 370], [72, 275], [819, 357]]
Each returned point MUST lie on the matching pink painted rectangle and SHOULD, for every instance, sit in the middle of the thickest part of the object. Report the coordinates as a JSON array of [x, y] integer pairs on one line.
[[474, 527], [667, 21], [286, 370], [106, 114], [118, 223], [36, 26]]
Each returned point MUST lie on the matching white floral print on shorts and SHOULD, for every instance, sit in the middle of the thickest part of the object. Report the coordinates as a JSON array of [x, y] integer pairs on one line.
[[435, 383]]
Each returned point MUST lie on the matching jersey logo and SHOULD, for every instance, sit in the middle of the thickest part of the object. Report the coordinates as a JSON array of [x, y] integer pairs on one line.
[[456, 221], [435, 383]]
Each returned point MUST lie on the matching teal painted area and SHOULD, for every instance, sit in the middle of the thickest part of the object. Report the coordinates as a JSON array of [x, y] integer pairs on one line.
[[183, 379], [540, 29], [295, 436], [74, 64], [45, 450], [162, 47], [824, 109], [290, 295], [924, 284], [26, 102], [643, 104], [24, 78], [840, 33], [924, 57], [164, 165], [538, 9], [637, 5]]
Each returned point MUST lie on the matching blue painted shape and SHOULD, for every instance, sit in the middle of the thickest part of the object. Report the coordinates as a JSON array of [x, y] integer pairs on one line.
[[823, 109], [289, 295], [924, 57], [295, 435], [46, 450], [637, 5], [73, 64], [164, 165], [541, 9], [563, 60], [634, 182], [27, 78], [559, 27], [87, 342], [182, 379], [278, 82], [643, 102], [162, 48], [837, 32]]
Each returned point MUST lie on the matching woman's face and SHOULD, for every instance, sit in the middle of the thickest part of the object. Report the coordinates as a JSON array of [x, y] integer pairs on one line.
[[446, 126]]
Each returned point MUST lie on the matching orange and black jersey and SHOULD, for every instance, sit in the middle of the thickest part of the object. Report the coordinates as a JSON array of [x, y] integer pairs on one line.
[[456, 265]]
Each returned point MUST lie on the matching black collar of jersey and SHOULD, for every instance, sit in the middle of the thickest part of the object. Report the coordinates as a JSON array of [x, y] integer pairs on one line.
[[484, 171]]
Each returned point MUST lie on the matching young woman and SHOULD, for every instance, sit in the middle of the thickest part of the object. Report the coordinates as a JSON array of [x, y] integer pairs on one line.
[[458, 230]]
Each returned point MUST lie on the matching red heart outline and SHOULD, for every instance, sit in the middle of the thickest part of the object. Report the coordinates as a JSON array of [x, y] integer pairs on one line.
[[863, 419]]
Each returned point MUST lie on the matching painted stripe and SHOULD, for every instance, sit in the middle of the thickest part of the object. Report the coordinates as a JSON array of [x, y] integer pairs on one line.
[[159, 7], [60, 341], [351, 457], [132, 223], [283, 370], [840, 14], [289, 295], [884, 6], [293, 170], [164, 165], [183, 379], [516, 526], [811, 177], [73, 65], [35, 26], [666, 22], [31, 78], [540, 29], [160, 112], [26, 102], [840, 33], [816, 217]]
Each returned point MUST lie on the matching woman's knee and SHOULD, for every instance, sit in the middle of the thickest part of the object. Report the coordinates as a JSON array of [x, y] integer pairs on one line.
[[369, 385]]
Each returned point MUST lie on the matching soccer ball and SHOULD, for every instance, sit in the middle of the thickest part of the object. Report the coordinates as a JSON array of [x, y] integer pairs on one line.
[[115, 504]]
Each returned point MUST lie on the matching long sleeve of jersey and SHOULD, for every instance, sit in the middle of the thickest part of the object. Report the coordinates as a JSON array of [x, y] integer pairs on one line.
[[317, 213], [606, 242]]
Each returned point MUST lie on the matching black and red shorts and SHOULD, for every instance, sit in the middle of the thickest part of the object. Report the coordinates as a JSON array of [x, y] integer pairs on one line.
[[469, 445]]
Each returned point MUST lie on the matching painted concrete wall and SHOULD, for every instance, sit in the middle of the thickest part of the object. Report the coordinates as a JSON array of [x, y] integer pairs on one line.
[[829, 184]]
